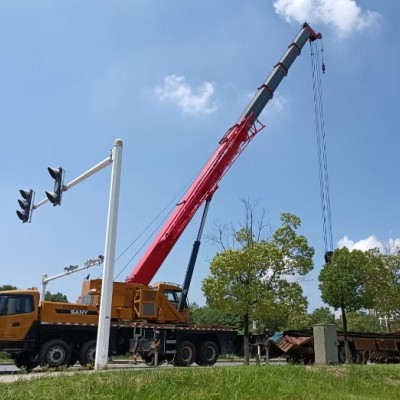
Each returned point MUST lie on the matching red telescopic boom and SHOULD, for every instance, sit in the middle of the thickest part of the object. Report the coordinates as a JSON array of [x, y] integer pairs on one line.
[[229, 149]]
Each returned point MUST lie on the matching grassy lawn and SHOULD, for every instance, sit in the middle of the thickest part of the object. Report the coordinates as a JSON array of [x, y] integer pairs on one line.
[[3, 356], [242, 383]]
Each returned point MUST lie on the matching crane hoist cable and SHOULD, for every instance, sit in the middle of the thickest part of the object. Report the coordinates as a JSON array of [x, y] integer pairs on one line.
[[140, 248], [318, 66], [166, 211]]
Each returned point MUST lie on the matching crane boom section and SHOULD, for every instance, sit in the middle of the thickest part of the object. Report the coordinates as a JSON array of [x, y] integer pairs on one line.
[[230, 147]]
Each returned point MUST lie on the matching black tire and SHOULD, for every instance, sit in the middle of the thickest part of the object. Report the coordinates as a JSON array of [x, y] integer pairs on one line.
[[87, 353], [185, 354], [73, 360], [18, 363], [23, 360], [148, 360], [207, 353], [54, 353]]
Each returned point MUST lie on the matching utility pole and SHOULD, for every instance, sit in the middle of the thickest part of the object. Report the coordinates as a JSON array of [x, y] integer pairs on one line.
[[27, 206], [103, 332]]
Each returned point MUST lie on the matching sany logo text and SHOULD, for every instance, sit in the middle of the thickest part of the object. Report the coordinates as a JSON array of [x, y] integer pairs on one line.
[[79, 312]]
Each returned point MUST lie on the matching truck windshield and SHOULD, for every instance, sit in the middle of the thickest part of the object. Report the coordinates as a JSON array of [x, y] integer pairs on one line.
[[173, 296], [15, 304]]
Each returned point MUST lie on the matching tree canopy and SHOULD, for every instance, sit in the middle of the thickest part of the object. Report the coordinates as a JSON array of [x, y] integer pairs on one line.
[[342, 282], [343, 285], [361, 322], [383, 283], [252, 281], [322, 315], [56, 297], [7, 287], [207, 315]]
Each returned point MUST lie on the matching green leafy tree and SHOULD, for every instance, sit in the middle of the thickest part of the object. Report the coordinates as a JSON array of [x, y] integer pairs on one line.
[[8, 287], [207, 315], [322, 315], [361, 322], [56, 297], [251, 281], [342, 285], [383, 283], [291, 311]]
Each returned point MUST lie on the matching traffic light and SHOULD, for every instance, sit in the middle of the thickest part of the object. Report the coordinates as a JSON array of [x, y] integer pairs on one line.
[[26, 205], [58, 175]]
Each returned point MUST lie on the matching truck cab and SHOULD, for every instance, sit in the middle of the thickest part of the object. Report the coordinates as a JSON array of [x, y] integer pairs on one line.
[[18, 311]]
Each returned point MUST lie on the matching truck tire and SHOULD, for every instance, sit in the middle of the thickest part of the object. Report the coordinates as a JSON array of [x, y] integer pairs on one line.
[[54, 353], [207, 353], [185, 354], [148, 359], [73, 360], [87, 353], [23, 360]]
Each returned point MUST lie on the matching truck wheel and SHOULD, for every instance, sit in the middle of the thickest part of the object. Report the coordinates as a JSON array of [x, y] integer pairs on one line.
[[148, 360], [207, 353], [54, 353], [87, 353], [185, 354], [73, 359], [23, 360]]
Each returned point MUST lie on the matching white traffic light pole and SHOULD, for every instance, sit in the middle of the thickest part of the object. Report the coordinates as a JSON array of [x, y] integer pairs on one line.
[[103, 331]]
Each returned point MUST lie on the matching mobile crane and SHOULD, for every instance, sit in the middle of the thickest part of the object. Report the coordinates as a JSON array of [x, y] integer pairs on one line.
[[149, 320]]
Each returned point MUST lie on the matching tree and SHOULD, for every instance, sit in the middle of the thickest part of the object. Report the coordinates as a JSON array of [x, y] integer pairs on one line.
[[322, 315], [56, 297], [7, 287], [342, 285], [207, 315], [361, 322], [251, 281], [383, 283]]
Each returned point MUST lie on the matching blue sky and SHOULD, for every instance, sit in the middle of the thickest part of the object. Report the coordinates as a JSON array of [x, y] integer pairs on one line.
[[169, 78]]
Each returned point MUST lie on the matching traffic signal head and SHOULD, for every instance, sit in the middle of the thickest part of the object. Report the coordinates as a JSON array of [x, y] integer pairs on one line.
[[58, 175], [26, 205]]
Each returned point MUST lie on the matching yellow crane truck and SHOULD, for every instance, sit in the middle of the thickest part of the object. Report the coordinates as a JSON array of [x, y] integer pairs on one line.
[[145, 320]]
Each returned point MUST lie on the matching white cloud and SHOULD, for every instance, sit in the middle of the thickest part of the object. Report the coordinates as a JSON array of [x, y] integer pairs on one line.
[[345, 15], [370, 242], [394, 244], [198, 102]]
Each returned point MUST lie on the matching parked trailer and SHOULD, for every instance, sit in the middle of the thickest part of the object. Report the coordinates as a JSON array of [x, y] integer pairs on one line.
[[298, 346]]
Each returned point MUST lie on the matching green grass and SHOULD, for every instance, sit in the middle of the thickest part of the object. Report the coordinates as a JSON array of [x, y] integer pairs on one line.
[[4, 356], [242, 383]]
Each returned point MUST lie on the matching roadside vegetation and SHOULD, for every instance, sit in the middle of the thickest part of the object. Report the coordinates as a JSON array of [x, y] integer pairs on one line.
[[249, 276], [256, 382]]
